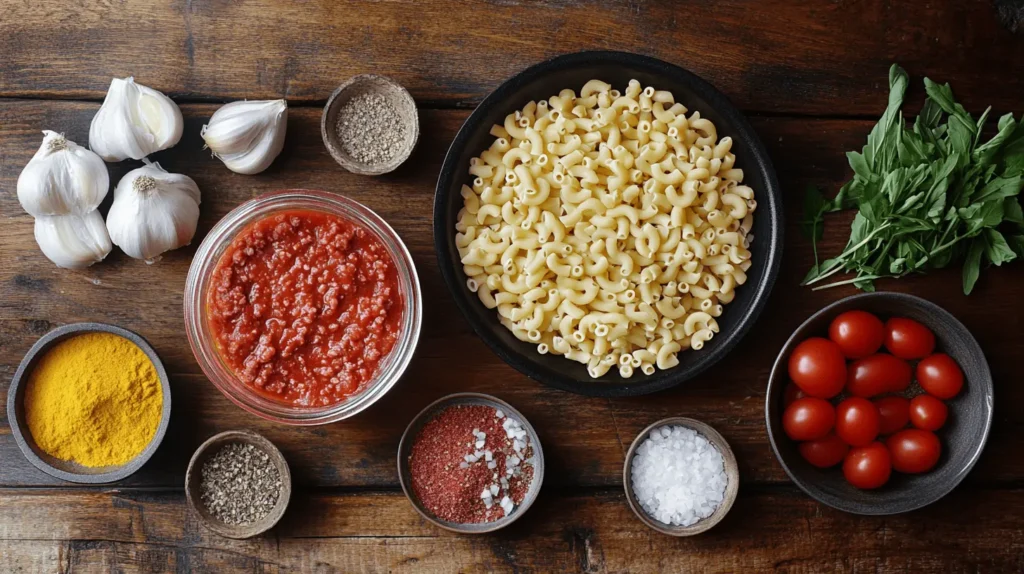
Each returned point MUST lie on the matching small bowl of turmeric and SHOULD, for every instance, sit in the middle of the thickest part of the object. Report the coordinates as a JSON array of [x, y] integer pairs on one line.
[[89, 403]]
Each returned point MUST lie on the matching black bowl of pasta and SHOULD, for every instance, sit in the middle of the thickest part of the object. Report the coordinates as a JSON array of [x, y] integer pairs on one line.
[[595, 221]]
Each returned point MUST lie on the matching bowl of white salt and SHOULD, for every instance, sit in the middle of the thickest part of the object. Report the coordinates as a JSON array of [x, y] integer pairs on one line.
[[681, 477]]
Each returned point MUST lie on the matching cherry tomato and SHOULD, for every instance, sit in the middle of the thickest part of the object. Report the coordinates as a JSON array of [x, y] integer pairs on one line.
[[867, 466], [858, 333], [914, 450], [817, 366], [808, 418], [940, 376], [893, 412], [928, 413], [791, 394], [878, 374], [824, 452], [857, 421], [908, 339]]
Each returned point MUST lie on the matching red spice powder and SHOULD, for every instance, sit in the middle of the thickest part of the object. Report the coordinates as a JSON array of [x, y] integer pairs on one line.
[[452, 493]]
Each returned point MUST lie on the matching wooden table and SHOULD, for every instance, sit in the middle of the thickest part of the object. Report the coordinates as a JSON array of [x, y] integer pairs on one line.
[[811, 78]]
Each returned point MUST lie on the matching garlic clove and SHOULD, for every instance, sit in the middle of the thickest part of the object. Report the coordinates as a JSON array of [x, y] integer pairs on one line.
[[61, 178], [133, 122], [153, 211], [73, 241], [247, 135]]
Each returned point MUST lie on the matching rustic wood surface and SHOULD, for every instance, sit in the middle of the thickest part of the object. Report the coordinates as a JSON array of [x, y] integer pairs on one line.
[[811, 75]]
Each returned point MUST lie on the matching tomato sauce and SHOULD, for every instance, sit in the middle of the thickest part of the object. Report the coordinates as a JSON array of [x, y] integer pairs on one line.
[[304, 306]]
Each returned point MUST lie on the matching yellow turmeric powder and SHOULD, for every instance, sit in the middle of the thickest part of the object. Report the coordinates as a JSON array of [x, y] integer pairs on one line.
[[94, 399]]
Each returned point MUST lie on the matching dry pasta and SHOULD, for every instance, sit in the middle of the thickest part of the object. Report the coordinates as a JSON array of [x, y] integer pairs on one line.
[[607, 227]]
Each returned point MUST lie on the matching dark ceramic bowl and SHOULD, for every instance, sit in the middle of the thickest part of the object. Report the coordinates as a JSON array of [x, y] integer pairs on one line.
[[572, 71], [63, 469], [963, 436]]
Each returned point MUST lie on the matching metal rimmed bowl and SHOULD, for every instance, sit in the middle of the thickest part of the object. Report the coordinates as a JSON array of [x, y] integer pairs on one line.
[[396, 95], [731, 471], [201, 339], [573, 71], [66, 470], [193, 480], [428, 414], [963, 436]]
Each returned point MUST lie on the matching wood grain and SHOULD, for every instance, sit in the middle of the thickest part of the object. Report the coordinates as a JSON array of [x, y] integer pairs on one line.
[[586, 437], [595, 532], [821, 57]]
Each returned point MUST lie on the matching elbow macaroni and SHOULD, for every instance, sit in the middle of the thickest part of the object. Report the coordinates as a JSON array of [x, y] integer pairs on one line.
[[606, 227]]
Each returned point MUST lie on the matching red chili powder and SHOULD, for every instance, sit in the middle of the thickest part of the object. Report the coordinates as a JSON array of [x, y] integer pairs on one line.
[[452, 493]]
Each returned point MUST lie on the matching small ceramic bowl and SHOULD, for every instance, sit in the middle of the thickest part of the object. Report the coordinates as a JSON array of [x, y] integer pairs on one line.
[[193, 478], [398, 96], [731, 471], [963, 436], [428, 414], [66, 470]]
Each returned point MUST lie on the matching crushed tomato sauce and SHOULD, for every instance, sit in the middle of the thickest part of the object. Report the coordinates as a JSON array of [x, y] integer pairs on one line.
[[304, 306]]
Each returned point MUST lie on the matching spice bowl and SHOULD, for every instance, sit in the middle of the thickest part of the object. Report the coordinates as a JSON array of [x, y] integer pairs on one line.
[[435, 409], [402, 112], [194, 477], [69, 470], [731, 470]]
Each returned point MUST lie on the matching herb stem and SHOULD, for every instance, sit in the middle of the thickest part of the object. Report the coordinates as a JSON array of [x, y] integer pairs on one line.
[[838, 265]]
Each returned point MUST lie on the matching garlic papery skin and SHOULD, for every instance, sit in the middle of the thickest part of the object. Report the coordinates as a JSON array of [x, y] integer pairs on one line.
[[247, 136], [63, 177], [73, 241], [153, 212], [133, 122]]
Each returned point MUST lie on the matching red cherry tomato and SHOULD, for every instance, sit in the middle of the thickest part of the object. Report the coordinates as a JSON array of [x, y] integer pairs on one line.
[[858, 333], [940, 376], [878, 374], [867, 466], [908, 339], [824, 452], [817, 366], [808, 418], [791, 394], [893, 412], [928, 413], [914, 450], [857, 421]]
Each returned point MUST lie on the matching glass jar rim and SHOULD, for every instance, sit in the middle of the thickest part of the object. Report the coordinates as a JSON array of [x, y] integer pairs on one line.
[[200, 274]]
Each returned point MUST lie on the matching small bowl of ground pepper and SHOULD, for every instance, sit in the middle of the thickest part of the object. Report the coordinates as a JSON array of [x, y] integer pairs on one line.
[[90, 403], [470, 463], [370, 125], [238, 483]]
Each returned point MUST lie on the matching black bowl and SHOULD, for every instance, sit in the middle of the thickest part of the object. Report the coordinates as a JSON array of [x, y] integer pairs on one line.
[[963, 436], [572, 71]]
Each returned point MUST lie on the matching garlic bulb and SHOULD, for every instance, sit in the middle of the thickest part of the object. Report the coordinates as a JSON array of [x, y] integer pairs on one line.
[[133, 122], [153, 212], [73, 241], [247, 136], [63, 177]]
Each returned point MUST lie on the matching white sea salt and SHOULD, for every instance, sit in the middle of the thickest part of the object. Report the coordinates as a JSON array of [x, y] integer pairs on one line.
[[678, 476]]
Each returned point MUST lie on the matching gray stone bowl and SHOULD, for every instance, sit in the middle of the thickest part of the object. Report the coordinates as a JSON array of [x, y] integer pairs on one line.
[[732, 471], [963, 436], [428, 414], [62, 469]]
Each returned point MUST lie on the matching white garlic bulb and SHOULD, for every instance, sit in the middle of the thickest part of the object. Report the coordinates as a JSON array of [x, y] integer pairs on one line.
[[63, 177], [153, 212], [133, 122], [73, 241], [247, 136]]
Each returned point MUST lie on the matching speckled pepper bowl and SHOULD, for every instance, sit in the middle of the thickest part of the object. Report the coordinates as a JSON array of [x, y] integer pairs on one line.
[[544, 80], [62, 469], [963, 436]]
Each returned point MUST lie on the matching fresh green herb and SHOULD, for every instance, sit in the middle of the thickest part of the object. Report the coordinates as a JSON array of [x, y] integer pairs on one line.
[[927, 195]]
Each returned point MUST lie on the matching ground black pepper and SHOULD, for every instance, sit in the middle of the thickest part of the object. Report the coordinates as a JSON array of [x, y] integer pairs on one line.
[[370, 128], [240, 484]]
